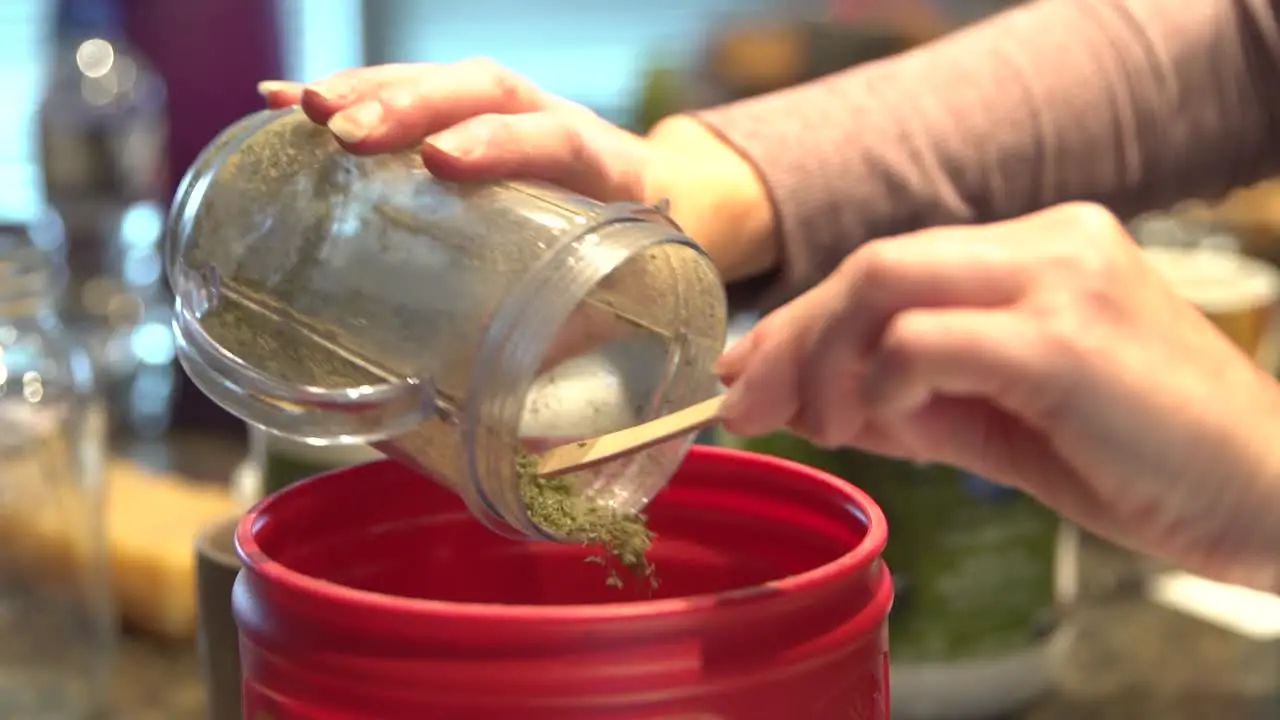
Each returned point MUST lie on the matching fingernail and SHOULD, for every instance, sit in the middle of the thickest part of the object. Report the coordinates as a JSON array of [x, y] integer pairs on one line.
[[458, 144], [267, 88], [331, 91], [356, 123]]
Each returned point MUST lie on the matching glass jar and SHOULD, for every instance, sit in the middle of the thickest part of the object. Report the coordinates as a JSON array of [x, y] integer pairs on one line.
[[336, 299], [57, 619]]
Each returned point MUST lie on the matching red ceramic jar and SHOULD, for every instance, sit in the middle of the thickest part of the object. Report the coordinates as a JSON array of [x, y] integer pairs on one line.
[[372, 593]]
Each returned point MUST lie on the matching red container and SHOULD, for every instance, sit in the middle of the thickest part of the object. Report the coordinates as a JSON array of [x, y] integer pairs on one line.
[[372, 594]]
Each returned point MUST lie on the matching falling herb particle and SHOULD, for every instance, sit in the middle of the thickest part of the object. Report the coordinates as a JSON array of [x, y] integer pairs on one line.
[[555, 507]]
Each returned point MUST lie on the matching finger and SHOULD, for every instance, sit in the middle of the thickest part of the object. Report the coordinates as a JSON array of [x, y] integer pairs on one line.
[[765, 395], [936, 268], [945, 267], [985, 440], [993, 355], [533, 146], [280, 93], [730, 364], [323, 98], [963, 267], [978, 437], [877, 440], [397, 111], [833, 372]]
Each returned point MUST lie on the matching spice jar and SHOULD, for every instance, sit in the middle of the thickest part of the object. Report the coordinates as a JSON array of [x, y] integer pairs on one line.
[[336, 299]]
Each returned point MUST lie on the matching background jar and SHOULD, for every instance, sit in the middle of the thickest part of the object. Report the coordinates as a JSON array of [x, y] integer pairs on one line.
[[57, 617]]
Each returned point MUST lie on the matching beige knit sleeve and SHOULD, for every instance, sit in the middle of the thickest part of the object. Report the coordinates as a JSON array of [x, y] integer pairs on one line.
[[1134, 103]]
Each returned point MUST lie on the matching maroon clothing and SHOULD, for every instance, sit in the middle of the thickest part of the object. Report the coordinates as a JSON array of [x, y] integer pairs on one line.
[[1135, 104]]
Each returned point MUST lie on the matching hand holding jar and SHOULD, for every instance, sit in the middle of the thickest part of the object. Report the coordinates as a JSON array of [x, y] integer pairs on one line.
[[476, 121]]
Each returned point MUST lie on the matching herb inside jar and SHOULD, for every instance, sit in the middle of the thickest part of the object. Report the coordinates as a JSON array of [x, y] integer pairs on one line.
[[553, 504]]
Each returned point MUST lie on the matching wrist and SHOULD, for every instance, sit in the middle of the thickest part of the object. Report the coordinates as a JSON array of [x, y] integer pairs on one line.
[[716, 196]]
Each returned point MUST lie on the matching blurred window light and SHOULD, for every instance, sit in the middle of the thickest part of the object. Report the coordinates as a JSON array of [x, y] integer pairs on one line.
[[321, 38], [595, 53]]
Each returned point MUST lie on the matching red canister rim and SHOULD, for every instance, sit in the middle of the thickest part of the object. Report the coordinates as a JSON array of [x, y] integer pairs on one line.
[[765, 472]]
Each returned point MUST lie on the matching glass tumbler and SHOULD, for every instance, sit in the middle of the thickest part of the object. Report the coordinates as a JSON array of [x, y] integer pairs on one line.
[[336, 299]]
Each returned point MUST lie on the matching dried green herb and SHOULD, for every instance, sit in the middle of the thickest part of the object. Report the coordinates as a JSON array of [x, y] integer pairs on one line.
[[555, 507]]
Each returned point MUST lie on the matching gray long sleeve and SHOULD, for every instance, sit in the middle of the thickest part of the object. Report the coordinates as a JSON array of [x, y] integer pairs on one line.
[[1132, 103]]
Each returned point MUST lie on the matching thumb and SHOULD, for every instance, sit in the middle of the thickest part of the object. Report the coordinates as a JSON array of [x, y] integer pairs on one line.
[[766, 395], [764, 370]]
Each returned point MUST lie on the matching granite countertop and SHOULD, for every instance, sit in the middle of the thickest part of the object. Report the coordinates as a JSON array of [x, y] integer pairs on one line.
[[1129, 659], [1134, 659], [156, 681]]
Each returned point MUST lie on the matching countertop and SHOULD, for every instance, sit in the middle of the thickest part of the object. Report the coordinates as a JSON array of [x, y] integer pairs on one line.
[[1129, 658], [1134, 659]]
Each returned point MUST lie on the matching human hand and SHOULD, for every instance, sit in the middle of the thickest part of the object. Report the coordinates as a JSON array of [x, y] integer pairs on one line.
[[1043, 353], [477, 121]]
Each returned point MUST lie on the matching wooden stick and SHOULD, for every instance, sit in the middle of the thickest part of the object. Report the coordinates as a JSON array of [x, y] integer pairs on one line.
[[585, 454]]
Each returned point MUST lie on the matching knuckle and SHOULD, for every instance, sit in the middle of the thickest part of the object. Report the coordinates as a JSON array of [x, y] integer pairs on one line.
[[871, 264], [1062, 330], [1088, 216], [574, 143], [571, 110], [1094, 251], [901, 340], [505, 85], [491, 126], [765, 332], [483, 65]]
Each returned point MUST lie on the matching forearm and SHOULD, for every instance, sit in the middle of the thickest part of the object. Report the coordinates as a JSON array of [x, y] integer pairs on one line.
[[1132, 103]]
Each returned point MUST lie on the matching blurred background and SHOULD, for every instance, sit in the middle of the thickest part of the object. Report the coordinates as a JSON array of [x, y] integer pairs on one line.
[[108, 102]]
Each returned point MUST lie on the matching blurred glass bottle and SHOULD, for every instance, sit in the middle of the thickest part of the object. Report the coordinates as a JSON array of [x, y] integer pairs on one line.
[[103, 130], [57, 619]]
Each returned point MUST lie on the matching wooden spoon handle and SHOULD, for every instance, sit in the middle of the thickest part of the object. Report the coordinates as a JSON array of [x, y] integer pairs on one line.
[[585, 454]]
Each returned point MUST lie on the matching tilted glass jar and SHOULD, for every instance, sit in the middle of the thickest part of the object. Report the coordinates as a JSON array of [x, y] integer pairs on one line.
[[339, 299]]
